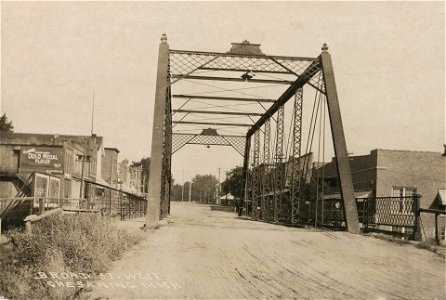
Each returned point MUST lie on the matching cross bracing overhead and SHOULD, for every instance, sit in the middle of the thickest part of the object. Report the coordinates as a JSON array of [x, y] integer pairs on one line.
[[254, 103]]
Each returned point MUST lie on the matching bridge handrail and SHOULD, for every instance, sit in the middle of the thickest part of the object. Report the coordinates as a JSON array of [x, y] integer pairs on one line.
[[433, 211]]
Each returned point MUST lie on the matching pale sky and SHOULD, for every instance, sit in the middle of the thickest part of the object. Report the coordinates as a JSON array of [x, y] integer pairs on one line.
[[388, 60]]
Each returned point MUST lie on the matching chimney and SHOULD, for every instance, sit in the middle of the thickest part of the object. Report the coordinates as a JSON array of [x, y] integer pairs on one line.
[[444, 153]]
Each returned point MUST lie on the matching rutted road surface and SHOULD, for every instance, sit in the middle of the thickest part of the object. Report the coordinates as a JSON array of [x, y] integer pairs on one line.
[[212, 254]]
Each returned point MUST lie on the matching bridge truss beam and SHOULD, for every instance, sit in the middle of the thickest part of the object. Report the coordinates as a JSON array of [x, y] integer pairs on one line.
[[213, 123], [324, 66], [213, 112], [178, 65], [160, 141], [218, 98], [296, 177], [255, 188], [279, 168], [266, 168], [181, 139]]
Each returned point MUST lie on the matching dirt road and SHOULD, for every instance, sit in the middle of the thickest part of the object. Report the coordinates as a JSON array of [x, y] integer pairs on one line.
[[211, 254]]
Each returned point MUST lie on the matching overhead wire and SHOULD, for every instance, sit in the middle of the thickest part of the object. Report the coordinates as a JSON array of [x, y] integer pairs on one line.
[[222, 89], [233, 90], [307, 147], [219, 118], [182, 106], [173, 125], [254, 123], [313, 121], [230, 131], [202, 125], [275, 77], [216, 105]]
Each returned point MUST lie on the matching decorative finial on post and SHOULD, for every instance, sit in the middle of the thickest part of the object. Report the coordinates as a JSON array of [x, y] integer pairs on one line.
[[324, 47], [164, 37]]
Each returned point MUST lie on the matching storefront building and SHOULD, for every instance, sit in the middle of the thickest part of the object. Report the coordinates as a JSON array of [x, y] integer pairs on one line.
[[46, 165]]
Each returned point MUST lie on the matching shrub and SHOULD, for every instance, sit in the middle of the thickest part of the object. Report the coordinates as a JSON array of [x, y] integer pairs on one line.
[[60, 243]]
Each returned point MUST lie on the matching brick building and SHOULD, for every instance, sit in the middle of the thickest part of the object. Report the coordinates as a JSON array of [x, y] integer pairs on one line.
[[124, 173], [48, 165], [136, 180], [396, 173], [110, 166]]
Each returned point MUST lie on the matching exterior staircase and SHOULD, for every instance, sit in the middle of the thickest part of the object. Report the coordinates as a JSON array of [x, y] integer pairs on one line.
[[14, 210]]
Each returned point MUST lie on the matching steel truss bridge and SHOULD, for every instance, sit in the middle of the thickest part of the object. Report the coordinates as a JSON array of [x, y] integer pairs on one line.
[[187, 112]]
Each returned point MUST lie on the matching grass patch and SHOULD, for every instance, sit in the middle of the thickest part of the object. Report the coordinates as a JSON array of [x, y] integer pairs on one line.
[[83, 243]]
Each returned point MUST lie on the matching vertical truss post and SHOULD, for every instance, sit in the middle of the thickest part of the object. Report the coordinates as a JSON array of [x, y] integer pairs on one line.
[[255, 174], [279, 176], [296, 178], [265, 170], [246, 172], [267, 142], [248, 191], [340, 147], [158, 134], [167, 158]]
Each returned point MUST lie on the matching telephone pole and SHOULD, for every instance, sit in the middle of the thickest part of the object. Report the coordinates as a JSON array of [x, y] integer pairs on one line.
[[219, 187], [190, 190], [182, 189]]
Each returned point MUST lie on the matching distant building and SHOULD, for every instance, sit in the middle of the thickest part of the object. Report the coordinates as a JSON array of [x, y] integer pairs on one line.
[[110, 166], [124, 173], [397, 173], [54, 167], [136, 178]]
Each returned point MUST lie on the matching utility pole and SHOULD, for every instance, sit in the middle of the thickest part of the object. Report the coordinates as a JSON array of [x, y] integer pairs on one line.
[[182, 189], [219, 187], [190, 190], [81, 192], [92, 115]]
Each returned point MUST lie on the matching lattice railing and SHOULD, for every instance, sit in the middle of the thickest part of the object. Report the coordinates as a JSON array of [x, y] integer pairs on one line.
[[14, 210], [388, 211], [186, 62], [393, 211], [179, 140]]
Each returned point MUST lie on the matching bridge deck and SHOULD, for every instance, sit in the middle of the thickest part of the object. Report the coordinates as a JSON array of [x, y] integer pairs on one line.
[[211, 254]]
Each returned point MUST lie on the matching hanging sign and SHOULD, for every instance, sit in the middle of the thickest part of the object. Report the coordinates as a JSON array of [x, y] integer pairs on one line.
[[42, 158]]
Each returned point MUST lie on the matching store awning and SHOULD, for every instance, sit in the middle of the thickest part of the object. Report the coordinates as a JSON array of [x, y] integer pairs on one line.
[[442, 196]]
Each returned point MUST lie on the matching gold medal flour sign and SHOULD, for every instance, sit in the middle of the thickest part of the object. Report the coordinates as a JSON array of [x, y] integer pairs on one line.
[[42, 158]]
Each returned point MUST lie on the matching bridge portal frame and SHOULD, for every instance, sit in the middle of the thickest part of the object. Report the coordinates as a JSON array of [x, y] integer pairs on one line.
[[160, 167]]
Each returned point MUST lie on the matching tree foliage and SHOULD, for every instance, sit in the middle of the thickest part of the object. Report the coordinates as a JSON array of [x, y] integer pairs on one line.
[[176, 191], [5, 125], [204, 188], [234, 182]]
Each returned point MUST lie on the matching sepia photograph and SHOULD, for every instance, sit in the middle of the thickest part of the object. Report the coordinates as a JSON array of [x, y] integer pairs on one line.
[[222, 150]]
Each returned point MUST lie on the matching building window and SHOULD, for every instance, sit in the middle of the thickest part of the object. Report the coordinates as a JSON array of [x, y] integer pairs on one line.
[[403, 205], [69, 162], [403, 191], [397, 192], [93, 166], [78, 164]]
